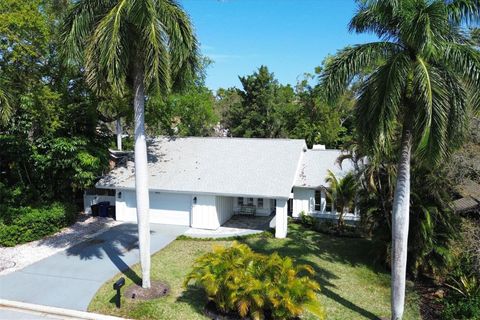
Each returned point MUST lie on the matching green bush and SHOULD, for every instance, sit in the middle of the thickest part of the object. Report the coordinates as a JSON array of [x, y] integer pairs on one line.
[[306, 220], [239, 280], [26, 224], [461, 307]]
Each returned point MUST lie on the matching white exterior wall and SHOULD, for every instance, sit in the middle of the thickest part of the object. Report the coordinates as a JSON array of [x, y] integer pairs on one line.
[[204, 213], [303, 200], [266, 210], [224, 207], [89, 200], [281, 218]]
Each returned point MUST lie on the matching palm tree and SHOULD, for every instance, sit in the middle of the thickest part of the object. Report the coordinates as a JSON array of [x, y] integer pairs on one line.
[[6, 109], [342, 192], [422, 77], [138, 46]]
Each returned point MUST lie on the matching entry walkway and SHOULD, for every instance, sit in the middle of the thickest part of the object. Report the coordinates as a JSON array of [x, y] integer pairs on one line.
[[71, 278], [237, 226]]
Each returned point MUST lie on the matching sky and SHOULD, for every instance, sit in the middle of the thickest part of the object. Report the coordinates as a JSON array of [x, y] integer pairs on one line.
[[290, 37]]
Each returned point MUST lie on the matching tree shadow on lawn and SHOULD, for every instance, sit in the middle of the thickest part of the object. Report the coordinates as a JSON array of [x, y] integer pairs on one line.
[[113, 243], [303, 244]]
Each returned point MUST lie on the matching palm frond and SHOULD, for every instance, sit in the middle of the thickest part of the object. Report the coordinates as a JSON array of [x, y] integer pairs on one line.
[[351, 61], [6, 109], [380, 101]]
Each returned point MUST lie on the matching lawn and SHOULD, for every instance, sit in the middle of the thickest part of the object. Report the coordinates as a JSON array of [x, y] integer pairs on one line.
[[352, 287]]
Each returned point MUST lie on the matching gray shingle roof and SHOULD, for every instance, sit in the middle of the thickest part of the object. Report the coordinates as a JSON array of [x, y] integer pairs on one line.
[[316, 163], [466, 204], [225, 166]]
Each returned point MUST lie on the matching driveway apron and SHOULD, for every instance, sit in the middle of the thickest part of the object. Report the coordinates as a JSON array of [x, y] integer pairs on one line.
[[71, 278]]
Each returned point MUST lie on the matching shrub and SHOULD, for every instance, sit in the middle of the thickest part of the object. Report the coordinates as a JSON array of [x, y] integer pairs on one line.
[[239, 280], [461, 308], [28, 224], [306, 220]]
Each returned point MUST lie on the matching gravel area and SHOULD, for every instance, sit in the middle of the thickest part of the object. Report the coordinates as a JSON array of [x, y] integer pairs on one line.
[[18, 257]]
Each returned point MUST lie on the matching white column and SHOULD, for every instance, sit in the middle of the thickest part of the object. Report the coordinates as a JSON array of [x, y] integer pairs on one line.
[[281, 216], [323, 201]]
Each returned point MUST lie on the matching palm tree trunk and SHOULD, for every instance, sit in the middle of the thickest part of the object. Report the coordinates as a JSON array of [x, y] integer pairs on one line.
[[400, 221], [141, 174]]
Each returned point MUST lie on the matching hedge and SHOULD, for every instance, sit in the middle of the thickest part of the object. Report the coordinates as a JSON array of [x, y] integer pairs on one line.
[[28, 224]]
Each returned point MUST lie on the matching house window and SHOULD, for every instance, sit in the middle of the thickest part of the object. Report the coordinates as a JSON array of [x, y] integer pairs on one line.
[[250, 201], [260, 202], [240, 201], [318, 200]]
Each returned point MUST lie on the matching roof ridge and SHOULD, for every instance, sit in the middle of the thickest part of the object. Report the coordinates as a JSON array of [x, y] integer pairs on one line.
[[225, 138]]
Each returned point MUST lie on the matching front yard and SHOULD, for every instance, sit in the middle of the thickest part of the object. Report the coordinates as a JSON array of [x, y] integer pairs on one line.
[[352, 287]]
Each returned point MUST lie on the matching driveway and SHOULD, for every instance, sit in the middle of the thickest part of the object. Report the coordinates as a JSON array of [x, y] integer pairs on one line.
[[71, 278]]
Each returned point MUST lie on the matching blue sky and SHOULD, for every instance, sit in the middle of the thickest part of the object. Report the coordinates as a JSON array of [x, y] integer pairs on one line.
[[291, 37]]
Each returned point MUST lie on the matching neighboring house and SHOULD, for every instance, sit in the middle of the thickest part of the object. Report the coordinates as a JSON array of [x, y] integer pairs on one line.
[[203, 182], [310, 191], [469, 202]]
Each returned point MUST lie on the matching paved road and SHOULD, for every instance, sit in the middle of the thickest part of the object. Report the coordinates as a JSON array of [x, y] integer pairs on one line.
[[8, 314], [71, 278]]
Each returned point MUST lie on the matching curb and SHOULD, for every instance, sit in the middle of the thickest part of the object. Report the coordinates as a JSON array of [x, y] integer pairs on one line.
[[53, 311]]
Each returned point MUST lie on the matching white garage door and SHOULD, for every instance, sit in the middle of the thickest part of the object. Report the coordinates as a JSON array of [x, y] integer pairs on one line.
[[170, 208]]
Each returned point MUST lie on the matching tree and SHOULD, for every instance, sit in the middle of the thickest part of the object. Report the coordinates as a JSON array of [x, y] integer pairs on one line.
[[258, 114], [189, 113], [137, 45], [424, 74], [342, 192]]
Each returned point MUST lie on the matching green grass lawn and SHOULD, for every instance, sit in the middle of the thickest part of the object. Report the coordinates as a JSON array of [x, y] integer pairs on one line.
[[352, 287]]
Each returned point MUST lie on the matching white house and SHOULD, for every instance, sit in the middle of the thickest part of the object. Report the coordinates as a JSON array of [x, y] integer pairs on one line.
[[203, 182]]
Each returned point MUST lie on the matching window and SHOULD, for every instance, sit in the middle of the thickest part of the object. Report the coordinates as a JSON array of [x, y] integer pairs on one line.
[[260, 202], [318, 200], [250, 201], [240, 201]]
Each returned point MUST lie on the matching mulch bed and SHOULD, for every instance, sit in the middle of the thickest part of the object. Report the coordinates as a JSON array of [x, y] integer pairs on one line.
[[212, 312], [430, 307], [158, 289]]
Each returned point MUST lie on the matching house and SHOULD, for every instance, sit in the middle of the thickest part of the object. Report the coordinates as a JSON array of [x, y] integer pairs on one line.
[[469, 201], [203, 182]]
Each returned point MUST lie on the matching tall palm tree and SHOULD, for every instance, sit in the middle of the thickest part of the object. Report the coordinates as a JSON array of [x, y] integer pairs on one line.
[[422, 76], [342, 192], [137, 46]]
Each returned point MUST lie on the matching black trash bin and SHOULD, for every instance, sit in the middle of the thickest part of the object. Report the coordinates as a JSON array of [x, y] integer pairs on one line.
[[94, 208], [103, 208], [111, 212]]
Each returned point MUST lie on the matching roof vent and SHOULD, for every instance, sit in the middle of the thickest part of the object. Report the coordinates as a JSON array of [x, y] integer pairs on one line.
[[318, 147]]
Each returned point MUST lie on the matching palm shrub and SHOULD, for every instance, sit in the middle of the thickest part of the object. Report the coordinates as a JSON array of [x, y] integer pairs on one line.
[[239, 280], [342, 192]]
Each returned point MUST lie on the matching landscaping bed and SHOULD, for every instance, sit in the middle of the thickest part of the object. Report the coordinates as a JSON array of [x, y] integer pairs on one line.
[[351, 286]]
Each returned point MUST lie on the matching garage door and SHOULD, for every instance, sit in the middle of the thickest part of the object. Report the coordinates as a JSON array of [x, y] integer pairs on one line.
[[170, 208]]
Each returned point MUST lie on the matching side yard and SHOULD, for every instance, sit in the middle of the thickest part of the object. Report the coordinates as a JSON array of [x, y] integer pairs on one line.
[[352, 287]]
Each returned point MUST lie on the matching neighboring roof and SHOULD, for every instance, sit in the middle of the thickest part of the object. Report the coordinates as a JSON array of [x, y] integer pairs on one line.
[[469, 189], [315, 165], [225, 166], [467, 204]]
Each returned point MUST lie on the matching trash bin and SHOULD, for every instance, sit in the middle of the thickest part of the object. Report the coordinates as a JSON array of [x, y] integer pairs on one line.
[[103, 208], [111, 212], [94, 208]]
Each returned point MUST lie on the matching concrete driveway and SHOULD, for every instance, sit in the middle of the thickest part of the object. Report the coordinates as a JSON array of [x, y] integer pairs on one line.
[[71, 278]]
